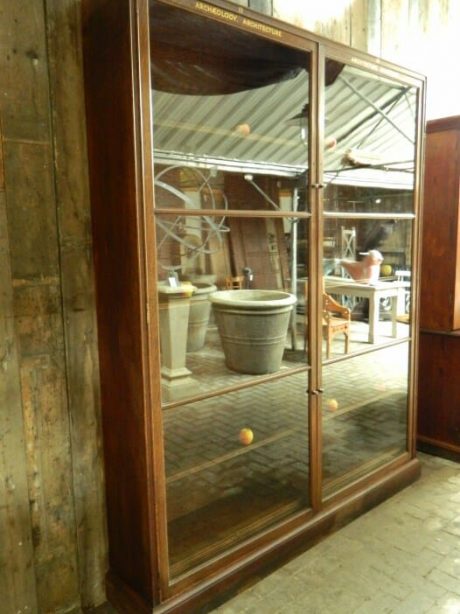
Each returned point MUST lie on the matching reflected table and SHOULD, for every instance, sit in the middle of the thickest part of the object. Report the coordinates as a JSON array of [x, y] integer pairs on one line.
[[393, 290]]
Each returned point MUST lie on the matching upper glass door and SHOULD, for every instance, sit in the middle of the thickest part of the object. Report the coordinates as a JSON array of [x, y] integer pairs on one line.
[[232, 214], [368, 237]]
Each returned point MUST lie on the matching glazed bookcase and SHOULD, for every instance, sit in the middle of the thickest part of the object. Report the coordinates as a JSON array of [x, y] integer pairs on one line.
[[235, 157]]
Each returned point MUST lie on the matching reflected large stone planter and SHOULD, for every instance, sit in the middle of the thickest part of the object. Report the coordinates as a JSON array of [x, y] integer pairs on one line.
[[200, 309], [252, 326]]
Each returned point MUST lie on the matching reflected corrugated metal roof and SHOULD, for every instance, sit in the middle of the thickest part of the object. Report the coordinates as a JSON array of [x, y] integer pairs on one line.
[[363, 112]]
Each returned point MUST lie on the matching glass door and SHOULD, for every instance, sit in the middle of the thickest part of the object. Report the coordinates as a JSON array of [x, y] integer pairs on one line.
[[231, 117], [367, 247]]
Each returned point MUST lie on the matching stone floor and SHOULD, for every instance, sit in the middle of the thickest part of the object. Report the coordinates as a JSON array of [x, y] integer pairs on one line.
[[401, 557]]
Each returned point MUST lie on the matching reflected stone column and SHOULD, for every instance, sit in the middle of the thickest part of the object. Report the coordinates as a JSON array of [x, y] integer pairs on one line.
[[174, 315]]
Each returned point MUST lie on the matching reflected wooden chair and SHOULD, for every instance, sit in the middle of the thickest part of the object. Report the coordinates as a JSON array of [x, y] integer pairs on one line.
[[336, 321], [234, 283]]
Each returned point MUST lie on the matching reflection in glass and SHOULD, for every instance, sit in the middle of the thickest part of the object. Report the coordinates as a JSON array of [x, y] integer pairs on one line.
[[228, 308], [370, 143], [364, 414], [235, 465], [233, 109], [230, 115], [367, 265], [367, 268]]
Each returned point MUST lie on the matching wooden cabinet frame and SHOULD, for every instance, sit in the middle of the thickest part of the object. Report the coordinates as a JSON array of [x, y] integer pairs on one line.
[[438, 419], [120, 141]]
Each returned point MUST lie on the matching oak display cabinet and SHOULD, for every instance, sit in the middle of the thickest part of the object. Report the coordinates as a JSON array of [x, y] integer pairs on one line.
[[233, 156]]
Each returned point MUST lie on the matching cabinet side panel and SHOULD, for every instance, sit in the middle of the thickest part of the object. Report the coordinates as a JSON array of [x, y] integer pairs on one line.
[[439, 393], [440, 232], [455, 254], [111, 116]]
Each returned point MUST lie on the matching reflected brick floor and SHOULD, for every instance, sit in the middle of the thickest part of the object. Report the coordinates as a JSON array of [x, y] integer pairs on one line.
[[216, 485]]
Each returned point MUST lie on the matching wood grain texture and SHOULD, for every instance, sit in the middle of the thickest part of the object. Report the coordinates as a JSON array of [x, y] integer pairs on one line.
[[2, 172], [440, 280], [336, 27], [78, 294], [38, 318], [439, 393], [374, 27], [17, 577], [113, 145], [295, 13], [50, 484], [24, 70], [395, 44], [31, 211], [33, 258], [359, 25], [262, 6], [328, 20]]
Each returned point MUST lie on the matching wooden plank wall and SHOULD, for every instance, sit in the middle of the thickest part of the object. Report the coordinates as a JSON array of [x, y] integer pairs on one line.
[[78, 296], [353, 22], [52, 526], [52, 523]]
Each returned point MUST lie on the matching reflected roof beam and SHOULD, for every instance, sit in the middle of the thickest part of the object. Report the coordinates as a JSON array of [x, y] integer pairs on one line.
[[376, 108]]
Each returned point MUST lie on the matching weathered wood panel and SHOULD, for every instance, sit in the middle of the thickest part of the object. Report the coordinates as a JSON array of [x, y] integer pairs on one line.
[[326, 18], [2, 172], [262, 6], [356, 23], [338, 29], [50, 485], [37, 308], [17, 576], [374, 27], [38, 318], [24, 104], [31, 210], [394, 20], [359, 25], [74, 226], [439, 394], [295, 13]]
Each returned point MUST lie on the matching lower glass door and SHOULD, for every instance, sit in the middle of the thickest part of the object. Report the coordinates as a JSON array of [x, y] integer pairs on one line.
[[236, 464], [364, 415], [234, 377]]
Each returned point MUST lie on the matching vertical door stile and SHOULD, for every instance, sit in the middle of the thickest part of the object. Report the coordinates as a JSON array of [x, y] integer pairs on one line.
[[417, 259], [140, 16], [316, 120]]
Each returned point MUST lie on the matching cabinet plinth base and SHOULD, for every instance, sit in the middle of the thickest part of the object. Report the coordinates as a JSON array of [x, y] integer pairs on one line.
[[215, 590], [438, 448]]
